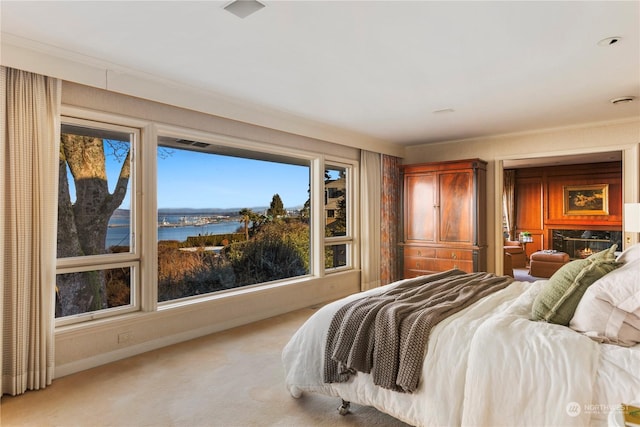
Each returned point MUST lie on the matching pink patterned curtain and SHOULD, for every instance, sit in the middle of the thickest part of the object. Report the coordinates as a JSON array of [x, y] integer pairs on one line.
[[390, 219]]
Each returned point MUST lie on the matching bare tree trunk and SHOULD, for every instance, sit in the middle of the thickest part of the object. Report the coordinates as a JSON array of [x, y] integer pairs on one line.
[[82, 226], [68, 243], [69, 287]]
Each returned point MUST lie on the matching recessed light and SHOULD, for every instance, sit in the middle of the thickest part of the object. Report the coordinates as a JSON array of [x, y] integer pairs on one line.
[[609, 41], [622, 100], [243, 8]]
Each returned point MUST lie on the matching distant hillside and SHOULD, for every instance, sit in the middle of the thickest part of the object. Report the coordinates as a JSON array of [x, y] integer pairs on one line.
[[206, 211], [121, 213]]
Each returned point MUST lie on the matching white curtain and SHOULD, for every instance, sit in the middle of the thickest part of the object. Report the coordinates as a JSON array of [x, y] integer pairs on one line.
[[508, 202], [370, 191], [29, 151]]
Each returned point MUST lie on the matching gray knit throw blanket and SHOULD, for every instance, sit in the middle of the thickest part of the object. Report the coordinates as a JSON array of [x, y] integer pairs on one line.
[[387, 334]]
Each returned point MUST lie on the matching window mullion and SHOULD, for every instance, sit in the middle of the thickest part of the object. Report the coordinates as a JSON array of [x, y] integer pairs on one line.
[[148, 227], [318, 220]]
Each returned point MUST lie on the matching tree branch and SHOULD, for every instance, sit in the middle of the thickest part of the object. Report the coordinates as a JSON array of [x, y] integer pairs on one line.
[[121, 187]]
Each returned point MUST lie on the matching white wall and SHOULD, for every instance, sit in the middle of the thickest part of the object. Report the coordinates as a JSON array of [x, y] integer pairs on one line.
[[85, 346], [592, 138]]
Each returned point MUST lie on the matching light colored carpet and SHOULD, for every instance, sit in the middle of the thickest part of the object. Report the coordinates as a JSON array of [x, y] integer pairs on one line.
[[232, 378]]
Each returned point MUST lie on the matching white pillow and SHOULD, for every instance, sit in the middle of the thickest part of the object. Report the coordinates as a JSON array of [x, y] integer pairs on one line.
[[609, 310], [632, 253]]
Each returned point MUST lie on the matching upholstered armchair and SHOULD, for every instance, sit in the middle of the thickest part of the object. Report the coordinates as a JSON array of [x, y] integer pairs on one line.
[[518, 255]]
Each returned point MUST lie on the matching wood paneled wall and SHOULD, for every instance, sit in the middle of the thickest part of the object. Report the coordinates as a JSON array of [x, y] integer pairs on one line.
[[540, 204]]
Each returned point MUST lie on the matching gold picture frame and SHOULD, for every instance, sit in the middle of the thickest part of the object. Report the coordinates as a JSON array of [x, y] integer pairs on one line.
[[591, 199]]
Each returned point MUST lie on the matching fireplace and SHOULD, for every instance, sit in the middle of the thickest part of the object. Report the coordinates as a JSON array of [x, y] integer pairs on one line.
[[582, 243]]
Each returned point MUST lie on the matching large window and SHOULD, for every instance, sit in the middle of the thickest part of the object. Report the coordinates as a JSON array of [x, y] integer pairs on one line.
[[210, 214], [98, 261], [229, 220]]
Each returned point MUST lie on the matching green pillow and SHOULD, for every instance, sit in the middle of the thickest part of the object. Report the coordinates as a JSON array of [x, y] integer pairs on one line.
[[558, 299]]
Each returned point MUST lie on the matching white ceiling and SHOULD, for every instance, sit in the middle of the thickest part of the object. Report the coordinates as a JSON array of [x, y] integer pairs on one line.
[[381, 68]]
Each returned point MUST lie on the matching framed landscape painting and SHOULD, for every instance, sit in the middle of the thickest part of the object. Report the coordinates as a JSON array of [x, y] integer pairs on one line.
[[590, 199]]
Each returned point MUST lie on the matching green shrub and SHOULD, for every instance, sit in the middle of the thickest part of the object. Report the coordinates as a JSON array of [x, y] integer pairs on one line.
[[278, 251]]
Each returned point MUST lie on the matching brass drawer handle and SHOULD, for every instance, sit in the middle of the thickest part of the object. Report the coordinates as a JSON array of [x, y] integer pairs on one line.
[[454, 255]]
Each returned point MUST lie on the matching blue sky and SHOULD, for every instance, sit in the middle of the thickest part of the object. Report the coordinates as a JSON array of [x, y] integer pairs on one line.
[[189, 179]]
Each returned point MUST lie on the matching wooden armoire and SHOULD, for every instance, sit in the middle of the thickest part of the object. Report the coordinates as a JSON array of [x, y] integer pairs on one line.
[[444, 217]]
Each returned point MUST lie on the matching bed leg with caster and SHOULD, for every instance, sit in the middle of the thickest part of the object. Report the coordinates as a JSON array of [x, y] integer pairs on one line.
[[344, 408]]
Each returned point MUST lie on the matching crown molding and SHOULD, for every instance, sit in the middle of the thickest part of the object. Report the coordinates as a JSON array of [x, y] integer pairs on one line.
[[534, 132], [41, 58]]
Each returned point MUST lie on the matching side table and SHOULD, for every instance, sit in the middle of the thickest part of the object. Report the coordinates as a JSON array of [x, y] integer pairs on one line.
[[524, 240]]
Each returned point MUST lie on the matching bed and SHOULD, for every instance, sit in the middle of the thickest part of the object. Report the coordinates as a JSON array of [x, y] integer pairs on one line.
[[491, 364]]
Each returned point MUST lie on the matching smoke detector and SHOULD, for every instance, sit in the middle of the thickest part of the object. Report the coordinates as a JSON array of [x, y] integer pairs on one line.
[[243, 8]]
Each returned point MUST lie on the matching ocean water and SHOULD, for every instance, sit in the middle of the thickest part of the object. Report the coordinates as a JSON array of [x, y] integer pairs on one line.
[[118, 232]]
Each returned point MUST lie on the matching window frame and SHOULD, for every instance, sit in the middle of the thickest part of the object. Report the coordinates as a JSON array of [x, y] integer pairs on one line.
[[107, 261], [133, 305], [228, 144], [349, 239]]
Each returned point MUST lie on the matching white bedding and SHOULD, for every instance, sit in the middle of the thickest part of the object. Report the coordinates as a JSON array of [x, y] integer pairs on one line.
[[486, 365]]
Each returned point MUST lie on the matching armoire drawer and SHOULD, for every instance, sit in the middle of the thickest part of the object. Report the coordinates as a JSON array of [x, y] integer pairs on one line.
[[455, 254], [419, 251], [428, 265], [448, 264], [420, 263], [408, 273]]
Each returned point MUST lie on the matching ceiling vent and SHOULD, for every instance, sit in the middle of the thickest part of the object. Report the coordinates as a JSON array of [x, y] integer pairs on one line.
[[243, 8], [192, 143]]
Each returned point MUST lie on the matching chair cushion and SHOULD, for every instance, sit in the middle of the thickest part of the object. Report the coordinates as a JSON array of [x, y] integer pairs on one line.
[[557, 257]]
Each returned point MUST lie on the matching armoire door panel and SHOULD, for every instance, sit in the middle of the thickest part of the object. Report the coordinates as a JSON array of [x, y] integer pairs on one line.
[[456, 201], [420, 216]]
